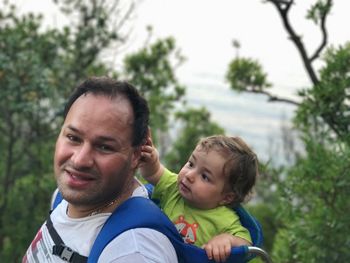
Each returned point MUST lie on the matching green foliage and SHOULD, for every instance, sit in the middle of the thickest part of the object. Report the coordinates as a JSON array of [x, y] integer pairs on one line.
[[151, 70], [89, 34], [25, 202], [314, 213], [284, 250], [196, 123], [245, 74], [265, 213], [26, 121], [319, 10], [327, 105], [38, 68], [311, 194], [265, 208]]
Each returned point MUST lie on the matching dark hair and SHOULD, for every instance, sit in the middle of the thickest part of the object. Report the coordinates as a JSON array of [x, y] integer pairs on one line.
[[112, 88], [241, 167]]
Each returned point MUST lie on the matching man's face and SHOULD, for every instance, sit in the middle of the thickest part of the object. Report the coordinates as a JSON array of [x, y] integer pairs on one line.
[[94, 159]]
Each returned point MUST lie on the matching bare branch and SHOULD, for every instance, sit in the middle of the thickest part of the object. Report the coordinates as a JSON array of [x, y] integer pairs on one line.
[[283, 7], [273, 98], [125, 16]]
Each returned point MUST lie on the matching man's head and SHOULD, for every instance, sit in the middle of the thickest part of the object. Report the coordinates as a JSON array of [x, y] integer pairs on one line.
[[97, 151], [112, 88]]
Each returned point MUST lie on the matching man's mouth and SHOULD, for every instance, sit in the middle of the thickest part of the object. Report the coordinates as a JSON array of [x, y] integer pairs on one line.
[[78, 179], [80, 176]]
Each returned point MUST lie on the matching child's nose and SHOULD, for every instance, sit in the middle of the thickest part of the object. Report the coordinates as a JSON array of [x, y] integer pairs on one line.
[[191, 176]]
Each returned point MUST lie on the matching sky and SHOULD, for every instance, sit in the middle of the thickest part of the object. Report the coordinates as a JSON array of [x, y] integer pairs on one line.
[[204, 31]]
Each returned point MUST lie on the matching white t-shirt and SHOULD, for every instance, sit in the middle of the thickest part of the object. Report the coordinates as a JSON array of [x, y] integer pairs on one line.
[[135, 245]]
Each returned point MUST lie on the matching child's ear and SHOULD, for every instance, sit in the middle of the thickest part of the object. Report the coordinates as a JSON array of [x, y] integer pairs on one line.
[[228, 198]]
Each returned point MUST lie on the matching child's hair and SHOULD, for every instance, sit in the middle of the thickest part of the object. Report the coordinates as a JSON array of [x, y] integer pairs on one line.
[[241, 166]]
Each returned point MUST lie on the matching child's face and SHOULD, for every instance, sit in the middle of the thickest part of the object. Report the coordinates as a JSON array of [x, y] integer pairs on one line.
[[201, 181]]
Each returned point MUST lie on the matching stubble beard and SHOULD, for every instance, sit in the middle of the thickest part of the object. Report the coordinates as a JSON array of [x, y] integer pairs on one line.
[[94, 195]]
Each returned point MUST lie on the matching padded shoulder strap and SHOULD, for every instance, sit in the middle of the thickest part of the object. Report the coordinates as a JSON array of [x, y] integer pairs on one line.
[[136, 212], [56, 199], [128, 216]]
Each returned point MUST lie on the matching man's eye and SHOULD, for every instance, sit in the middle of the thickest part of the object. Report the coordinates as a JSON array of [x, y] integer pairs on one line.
[[73, 138], [105, 148], [189, 164]]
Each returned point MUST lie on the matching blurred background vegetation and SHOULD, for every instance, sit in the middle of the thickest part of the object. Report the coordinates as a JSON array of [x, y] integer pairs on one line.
[[303, 206]]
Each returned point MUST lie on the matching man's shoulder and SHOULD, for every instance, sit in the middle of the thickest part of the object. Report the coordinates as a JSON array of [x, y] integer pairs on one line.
[[152, 245]]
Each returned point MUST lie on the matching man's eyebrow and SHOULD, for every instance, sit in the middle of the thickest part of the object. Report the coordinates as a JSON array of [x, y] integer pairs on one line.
[[106, 138], [70, 127], [99, 138]]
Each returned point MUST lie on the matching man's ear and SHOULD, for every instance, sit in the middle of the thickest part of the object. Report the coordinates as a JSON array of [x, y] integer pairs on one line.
[[136, 156], [228, 198]]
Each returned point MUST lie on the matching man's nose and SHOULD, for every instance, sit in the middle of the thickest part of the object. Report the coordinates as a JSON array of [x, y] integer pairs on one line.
[[83, 156]]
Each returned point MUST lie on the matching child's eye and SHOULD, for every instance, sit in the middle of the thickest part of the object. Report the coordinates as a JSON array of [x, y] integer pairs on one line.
[[189, 164], [205, 177]]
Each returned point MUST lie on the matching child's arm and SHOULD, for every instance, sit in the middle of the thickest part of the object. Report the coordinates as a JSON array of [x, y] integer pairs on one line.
[[150, 167], [219, 247]]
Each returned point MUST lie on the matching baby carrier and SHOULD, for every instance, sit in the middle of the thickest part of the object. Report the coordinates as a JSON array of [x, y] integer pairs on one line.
[[123, 219]]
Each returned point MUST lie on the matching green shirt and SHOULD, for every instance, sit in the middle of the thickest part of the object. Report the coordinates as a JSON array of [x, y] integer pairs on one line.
[[196, 226]]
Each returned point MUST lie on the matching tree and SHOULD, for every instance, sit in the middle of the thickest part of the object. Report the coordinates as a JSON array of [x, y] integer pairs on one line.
[[38, 68], [152, 70], [25, 123], [312, 194], [326, 107], [313, 204]]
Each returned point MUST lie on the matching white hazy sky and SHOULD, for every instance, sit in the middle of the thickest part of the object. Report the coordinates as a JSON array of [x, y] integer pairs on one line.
[[204, 30]]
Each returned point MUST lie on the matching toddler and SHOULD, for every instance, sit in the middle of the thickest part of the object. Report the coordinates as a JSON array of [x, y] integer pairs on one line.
[[219, 174]]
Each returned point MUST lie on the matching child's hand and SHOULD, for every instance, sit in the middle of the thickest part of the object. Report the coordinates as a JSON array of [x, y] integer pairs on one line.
[[219, 247], [149, 159], [150, 166]]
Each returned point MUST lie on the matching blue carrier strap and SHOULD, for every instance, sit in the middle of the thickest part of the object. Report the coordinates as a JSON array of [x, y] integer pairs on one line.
[[252, 224], [136, 212], [56, 199], [238, 254], [128, 216]]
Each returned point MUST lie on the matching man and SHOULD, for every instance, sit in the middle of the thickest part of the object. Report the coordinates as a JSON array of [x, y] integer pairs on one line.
[[97, 153]]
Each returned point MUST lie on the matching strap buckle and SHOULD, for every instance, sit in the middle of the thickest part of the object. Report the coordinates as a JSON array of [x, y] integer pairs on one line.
[[64, 252]]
